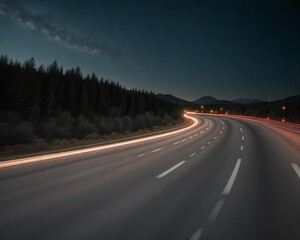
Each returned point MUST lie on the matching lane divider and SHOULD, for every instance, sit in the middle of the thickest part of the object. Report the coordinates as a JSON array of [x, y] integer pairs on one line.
[[173, 143], [296, 168], [158, 149], [182, 162], [231, 180], [213, 215], [170, 169]]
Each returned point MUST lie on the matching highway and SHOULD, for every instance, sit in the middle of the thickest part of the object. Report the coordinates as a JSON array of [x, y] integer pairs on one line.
[[223, 178]]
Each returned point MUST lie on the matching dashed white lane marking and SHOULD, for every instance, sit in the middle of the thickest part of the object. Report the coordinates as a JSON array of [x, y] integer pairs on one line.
[[212, 217], [202, 132], [229, 185], [242, 148], [222, 127], [221, 132], [197, 234], [209, 143], [192, 154], [215, 137], [170, 170], [206, 128], [196, 135], [241, 129], [191, 137], [176, 143], [143, 154], [183, 140], [203, 147], [296, 168], [243, 138], [156, 150]]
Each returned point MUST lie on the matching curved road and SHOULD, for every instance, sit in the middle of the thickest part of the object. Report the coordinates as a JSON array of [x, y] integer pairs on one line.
[[226, 178]]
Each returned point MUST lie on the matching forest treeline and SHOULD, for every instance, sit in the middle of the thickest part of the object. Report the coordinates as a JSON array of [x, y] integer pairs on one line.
[[38, 102]]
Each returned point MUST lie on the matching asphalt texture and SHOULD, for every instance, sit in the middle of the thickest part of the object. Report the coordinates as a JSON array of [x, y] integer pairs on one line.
[[226, 178]]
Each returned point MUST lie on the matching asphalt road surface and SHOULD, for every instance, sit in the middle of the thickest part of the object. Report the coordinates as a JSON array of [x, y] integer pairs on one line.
[[226, 178]]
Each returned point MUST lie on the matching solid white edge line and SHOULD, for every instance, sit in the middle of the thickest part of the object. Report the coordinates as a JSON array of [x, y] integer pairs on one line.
[[229, 185], [296, 168], [170, 170]]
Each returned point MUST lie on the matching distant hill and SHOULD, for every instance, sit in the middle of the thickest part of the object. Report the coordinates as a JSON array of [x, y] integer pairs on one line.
[[247, 101], [211, 100], [272, 110], [293, 99], [170, 98], [206, 100]]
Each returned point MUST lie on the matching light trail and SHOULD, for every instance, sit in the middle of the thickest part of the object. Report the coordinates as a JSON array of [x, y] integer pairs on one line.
[[21, 161]]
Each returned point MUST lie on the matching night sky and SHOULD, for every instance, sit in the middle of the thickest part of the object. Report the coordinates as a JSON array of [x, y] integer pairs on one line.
[[226, 49]]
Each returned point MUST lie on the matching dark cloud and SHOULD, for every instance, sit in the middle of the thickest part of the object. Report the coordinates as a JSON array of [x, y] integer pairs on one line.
[[54, 32]]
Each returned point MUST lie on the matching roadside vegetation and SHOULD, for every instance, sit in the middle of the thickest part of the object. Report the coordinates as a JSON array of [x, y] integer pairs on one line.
[[48, 105]]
